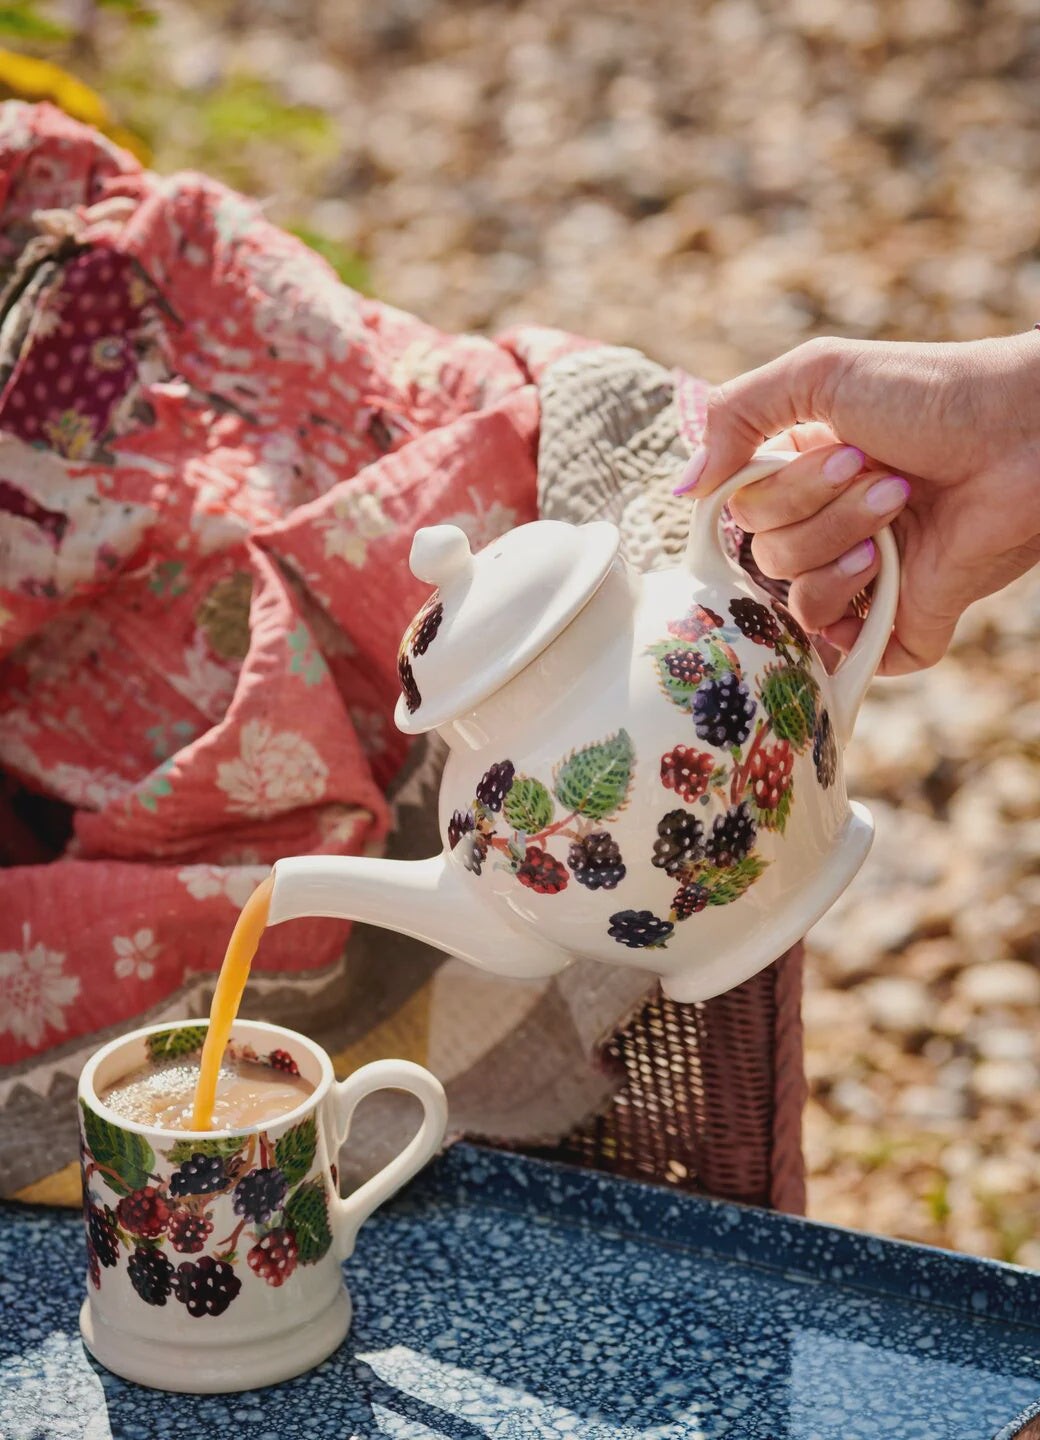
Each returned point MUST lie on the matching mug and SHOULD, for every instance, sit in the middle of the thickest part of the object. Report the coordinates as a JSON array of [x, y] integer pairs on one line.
[[214, 1256]]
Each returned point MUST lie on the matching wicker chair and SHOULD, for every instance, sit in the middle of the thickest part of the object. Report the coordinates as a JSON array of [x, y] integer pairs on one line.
[[711, 1095]]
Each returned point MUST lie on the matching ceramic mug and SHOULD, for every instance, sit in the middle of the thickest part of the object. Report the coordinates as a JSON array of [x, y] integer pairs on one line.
[[214, 1257]]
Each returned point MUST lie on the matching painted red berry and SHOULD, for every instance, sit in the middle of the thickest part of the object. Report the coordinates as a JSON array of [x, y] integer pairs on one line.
[[687, 772], [282, 1060], [542, 872], [696, 623], [772, 768], [144, 1212], [273, 1257]]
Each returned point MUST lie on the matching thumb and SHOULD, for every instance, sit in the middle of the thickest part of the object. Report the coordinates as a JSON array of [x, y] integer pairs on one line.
[[745, 411]]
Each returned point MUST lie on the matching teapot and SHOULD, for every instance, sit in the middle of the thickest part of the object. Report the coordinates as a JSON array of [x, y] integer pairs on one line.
[[643, 769]]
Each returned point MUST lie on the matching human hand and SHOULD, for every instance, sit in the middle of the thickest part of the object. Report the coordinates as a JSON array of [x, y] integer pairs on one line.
[[940, 441]]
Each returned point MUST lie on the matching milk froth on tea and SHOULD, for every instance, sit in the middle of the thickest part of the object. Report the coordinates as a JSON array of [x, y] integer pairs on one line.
[[247, 1094]]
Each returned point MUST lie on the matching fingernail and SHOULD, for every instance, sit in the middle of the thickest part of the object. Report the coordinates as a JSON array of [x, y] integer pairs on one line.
[[843, 465], [860, 557], [886, 495], [692, 473]]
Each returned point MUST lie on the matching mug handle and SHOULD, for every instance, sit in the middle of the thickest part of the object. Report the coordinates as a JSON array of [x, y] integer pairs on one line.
[[710, 565], [350, 1212]]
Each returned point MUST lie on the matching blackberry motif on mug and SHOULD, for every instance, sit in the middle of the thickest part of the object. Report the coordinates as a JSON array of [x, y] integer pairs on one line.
[[281, 1203]]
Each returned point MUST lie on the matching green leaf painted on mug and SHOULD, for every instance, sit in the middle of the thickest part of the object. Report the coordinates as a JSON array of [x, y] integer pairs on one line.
[[223, 1145], [294, 1151], [126, 1158], [170, 1044], [307, 1216]]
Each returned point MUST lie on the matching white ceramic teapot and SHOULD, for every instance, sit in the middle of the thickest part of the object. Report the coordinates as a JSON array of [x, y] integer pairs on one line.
[[643, 769]]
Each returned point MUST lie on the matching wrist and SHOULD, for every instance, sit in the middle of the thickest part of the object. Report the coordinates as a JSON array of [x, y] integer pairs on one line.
[[1006, 407]]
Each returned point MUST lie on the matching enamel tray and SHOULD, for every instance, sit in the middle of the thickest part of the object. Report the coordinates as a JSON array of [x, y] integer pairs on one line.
[[505, 1297]]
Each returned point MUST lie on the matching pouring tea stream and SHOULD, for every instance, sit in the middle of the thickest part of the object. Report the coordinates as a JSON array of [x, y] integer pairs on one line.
[[642, 769]]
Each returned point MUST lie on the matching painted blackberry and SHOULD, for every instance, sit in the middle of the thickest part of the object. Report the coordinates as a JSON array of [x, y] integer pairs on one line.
[[428, 627], [206, 1286], [144, 1212], [639, 929], [696, 623], [541, 872], [151, 1274], [409, 689], [494, 785], [771, 772], [688, 900], [101, 1227], [282, 1060], [201, 1175], [260, 1193], [93, 1268], [723, 710], [756, 622], [596, 862], [732, 836], [791, 625], [687, 666], [473, 851], [461, 823], [273, 1257], [679, 843], [189, 1232], [687, 772], [825, 750]]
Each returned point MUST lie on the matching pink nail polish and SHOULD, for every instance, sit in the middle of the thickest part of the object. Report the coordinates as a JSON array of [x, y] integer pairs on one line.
[[843, 465], [859, 558], [886, 495], [693, 470]]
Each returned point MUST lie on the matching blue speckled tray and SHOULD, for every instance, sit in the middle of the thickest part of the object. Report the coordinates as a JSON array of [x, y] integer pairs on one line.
[[506, 1298]]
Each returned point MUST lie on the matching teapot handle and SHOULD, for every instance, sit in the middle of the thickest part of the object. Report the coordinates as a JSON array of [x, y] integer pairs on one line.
[[706, 559]]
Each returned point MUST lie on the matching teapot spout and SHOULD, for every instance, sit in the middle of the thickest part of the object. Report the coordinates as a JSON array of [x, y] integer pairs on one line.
[[425, 899]]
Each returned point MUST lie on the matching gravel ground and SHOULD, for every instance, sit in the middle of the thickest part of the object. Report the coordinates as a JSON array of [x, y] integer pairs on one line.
[[714, 183]]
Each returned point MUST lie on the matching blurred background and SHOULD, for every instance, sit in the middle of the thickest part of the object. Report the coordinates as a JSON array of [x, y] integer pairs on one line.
[[712, 181]]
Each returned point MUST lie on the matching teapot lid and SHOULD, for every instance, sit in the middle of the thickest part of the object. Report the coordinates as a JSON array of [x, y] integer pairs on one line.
[[492, 612]]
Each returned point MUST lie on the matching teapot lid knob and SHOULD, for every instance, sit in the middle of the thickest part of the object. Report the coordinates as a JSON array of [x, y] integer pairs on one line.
[[440, 554]]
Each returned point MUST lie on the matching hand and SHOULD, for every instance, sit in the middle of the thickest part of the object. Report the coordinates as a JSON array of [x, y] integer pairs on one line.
[[940, 441]]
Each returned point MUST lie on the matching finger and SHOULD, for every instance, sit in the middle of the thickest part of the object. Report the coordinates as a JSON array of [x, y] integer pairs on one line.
[[799, 490], [744, 411], [869, 503], [803, 437], [908, 649], [821, 598]]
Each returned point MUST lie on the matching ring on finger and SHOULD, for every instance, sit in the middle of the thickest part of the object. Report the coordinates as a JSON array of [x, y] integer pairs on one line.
[[860, 604]]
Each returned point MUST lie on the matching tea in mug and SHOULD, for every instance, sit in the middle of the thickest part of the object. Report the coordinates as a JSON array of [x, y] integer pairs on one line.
[[247, 1094]]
